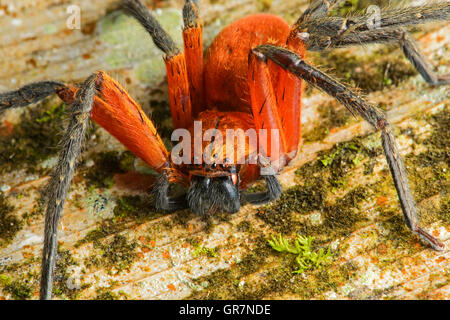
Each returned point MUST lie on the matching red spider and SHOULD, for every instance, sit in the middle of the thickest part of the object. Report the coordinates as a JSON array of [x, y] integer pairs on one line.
[[251, 78]]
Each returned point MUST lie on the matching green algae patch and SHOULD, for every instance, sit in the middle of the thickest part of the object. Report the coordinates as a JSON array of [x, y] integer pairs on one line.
[[9, 223], [314, 195], [35, 139], [131, 45]]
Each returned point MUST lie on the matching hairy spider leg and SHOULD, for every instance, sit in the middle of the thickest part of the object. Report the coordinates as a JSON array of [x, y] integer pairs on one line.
[[177, 76], [61, 177], [337, 32], [123, 118], [356, 105], [193, 51]]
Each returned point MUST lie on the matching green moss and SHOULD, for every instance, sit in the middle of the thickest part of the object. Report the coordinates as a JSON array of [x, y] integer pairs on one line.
[[255, 278], [64, 285], [34, 139], [135, 207], [118, 254], [20, 290], [382, 69], [200, 250], [306, 258], [429, 170], [106, 165], [107, 294], [5, 280], [9, 223]]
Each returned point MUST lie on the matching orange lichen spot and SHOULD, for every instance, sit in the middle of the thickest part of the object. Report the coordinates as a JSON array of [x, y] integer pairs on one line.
[[27, 255], [166, 255], [6, 129], [334, 130], [185, 245], [440, 259], [152, 243], [171, 287], [146, 249], [436, 233], [142, 239], [382, 249], [381, 201]]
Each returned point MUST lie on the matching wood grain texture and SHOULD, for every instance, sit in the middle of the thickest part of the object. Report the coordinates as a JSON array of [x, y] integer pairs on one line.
[[166, 256]]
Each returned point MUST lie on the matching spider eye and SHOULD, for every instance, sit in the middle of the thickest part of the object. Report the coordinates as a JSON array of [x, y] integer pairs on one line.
[[214, 166]]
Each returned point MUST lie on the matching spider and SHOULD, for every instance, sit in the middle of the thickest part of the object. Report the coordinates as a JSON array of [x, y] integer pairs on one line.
[[251, 78]]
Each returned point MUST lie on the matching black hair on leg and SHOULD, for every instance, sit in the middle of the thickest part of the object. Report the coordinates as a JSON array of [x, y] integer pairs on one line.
[[28, 94], [317, 9], [191, 14], [274, 191], [161, 194]]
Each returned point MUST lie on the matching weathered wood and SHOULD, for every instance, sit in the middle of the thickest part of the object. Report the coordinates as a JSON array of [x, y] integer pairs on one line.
[[166, 256]]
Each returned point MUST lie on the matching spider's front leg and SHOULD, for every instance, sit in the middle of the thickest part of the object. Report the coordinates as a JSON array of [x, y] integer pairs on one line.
[[356, 105], [114, 110], [61, 177]]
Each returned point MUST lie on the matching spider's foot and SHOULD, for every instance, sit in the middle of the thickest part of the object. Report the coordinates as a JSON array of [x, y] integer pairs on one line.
[[435, 243], [443, 80]]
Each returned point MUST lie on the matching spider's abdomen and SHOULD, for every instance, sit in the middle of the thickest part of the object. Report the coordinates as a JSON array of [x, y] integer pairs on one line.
[[226, 62]]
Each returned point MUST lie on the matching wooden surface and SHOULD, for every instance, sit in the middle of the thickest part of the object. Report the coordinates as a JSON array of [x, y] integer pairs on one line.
[[114, 246]]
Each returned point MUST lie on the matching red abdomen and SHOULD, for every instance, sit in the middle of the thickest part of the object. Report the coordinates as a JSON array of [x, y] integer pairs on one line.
[[226, 62]]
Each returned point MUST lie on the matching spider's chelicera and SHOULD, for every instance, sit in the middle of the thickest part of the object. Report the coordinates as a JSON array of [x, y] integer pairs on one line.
[[234, 87]]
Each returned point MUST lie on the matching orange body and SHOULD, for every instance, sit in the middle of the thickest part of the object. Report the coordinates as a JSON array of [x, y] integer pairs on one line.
[[216, 91]]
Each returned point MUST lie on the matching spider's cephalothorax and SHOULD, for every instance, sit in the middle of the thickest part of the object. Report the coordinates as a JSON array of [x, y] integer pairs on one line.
[[251, 78]]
